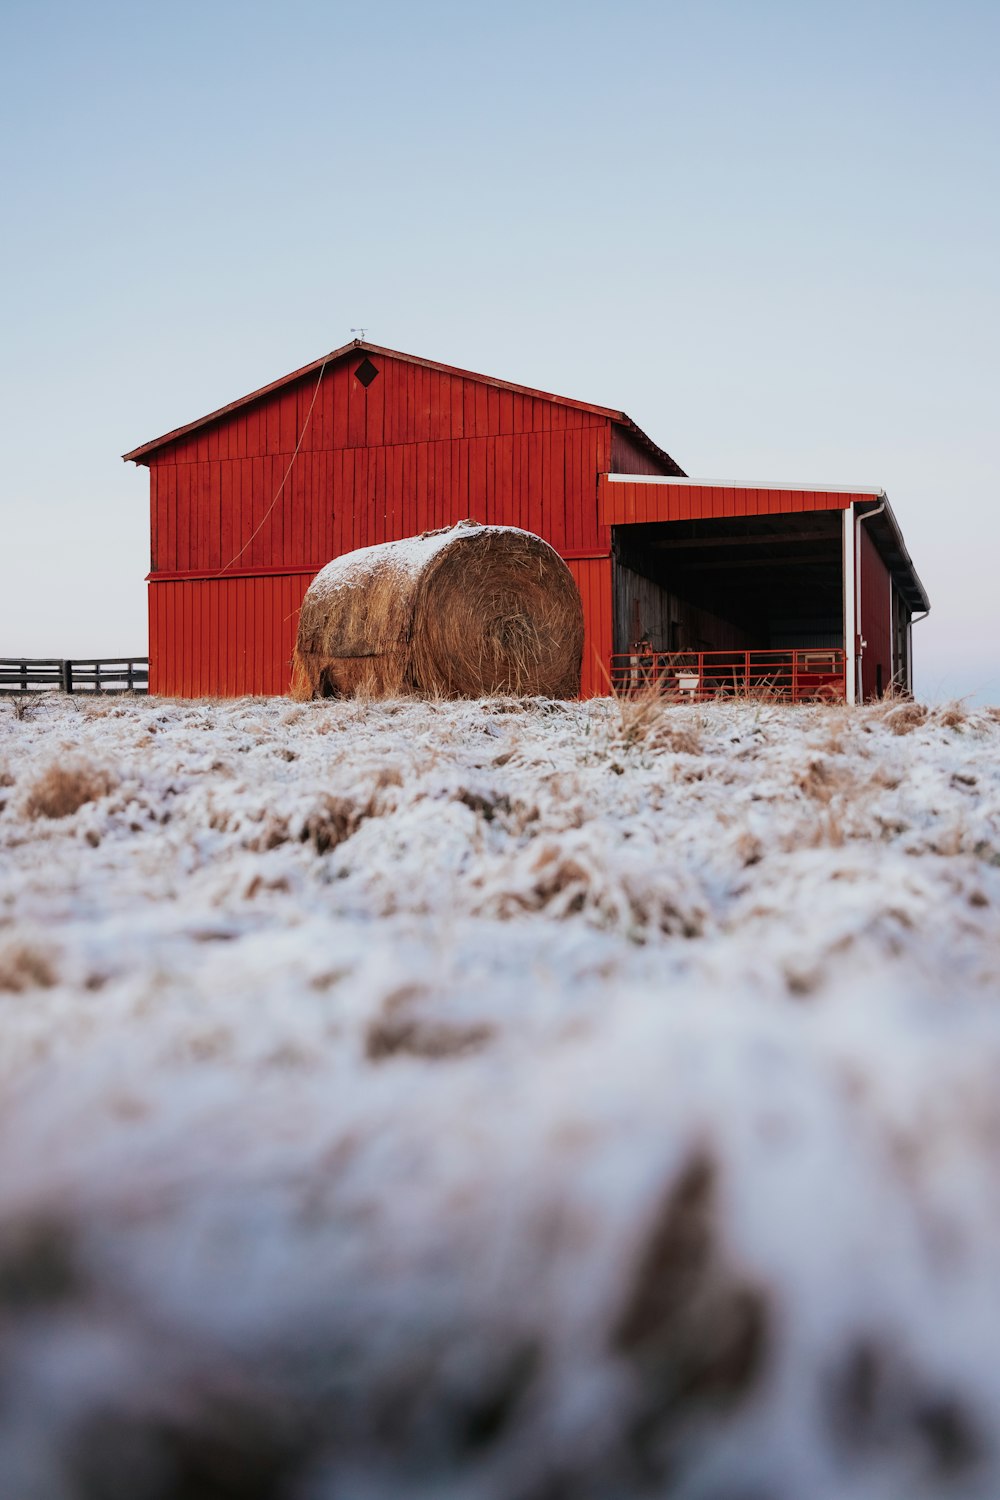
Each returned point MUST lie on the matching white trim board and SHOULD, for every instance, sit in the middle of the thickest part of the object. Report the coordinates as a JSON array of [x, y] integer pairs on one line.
[[750, 484]]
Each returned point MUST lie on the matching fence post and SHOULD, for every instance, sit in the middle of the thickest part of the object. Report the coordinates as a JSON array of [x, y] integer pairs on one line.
[[24, 676], [129, 679], [795, 676]]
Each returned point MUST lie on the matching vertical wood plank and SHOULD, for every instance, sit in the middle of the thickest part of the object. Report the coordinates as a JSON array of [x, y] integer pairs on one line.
[[224, 590], [457, 397], [286, 418], [482, 421], [227, 546], [421, 513], [187, 513], [375, 411]]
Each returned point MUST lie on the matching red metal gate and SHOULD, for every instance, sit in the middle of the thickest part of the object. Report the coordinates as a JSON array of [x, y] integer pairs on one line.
[[792, 675]]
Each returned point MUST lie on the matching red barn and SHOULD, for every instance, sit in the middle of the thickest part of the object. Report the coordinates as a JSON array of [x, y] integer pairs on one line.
[[714, 585]]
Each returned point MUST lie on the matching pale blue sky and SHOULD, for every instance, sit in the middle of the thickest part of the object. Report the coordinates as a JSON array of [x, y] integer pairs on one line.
[[769, 231]]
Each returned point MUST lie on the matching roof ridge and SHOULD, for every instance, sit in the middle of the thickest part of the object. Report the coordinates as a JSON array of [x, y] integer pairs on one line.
[[139, 454]]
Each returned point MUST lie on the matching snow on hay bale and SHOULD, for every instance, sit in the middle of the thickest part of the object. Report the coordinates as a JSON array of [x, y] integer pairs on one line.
[[464, 612]]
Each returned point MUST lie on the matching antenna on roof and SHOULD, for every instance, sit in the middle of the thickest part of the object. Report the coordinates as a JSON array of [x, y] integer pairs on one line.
[[360, 334]]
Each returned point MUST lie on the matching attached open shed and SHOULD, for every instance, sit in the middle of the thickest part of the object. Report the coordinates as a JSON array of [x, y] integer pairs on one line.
[[810, 591]]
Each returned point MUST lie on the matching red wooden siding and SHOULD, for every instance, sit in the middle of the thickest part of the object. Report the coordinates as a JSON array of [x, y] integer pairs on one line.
[[223, 637], [874, 618], [416, 450], [629, 456], [623, 503], [593, 579]]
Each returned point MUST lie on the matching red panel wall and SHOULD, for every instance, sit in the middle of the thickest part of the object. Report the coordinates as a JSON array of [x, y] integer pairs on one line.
[[593, 579], [223, 637], [874, 617]]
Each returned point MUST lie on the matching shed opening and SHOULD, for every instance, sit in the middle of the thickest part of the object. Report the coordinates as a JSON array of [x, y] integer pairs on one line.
[[711, 605]]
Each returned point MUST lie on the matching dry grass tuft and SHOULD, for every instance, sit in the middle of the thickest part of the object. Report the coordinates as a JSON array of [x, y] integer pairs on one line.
[[749, 849], [562, 883], [65, 787], [300, 689], [903, 717], [951, 715], [331, 821], [486, 807], [757, 692], [23, 705], [397, 1031], [24, 967], [883, 778], [698, 1332], [826, 831], [643, 718], [822, 782], [396, 1035], [681, 739], [38, 1263], [835, 722], [640, 713]]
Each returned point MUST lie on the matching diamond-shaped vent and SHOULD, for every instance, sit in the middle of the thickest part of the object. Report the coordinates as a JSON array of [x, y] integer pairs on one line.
[[366, 372]]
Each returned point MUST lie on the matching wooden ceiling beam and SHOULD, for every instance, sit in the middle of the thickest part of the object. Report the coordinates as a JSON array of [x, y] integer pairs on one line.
[[732, 564], [774, 539]]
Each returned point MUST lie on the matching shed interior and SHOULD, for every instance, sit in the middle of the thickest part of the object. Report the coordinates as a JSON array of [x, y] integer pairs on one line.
[[762, 582]]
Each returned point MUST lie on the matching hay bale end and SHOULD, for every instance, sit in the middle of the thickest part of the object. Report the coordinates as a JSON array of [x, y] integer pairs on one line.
[[465, 612]]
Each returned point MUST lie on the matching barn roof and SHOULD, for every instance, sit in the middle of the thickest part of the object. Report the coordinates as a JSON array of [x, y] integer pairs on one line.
[[145, 450]]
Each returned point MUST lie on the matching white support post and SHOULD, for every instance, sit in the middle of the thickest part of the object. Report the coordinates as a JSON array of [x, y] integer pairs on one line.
[[850, 606], [909, 656]]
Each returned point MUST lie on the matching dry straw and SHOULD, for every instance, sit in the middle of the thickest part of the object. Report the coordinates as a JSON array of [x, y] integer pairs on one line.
[[465, 612]]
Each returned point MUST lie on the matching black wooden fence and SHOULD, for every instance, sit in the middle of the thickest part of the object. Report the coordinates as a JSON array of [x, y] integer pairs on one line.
[[88, 674]]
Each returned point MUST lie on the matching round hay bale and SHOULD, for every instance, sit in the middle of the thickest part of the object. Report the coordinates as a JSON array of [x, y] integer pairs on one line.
[[461, 613]]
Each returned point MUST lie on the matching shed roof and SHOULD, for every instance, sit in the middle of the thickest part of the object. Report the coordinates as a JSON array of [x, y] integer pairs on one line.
[[145, 450], [870, 500], [889, 541]]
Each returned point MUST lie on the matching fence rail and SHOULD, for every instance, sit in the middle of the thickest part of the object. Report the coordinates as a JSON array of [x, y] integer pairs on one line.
[[85, 674], [793, 675]]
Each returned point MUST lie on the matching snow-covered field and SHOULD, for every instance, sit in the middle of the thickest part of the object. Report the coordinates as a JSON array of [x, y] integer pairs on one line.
[[498, 1101]]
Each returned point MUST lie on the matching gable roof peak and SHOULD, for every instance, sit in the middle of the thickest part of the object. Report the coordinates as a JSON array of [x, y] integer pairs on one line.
[[142, 453]]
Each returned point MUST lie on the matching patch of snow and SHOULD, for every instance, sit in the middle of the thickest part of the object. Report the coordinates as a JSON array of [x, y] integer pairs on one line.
[[407, 558], [502, 1098]]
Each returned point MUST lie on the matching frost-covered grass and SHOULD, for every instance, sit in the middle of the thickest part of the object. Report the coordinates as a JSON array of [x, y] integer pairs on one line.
[[499, 1100]]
